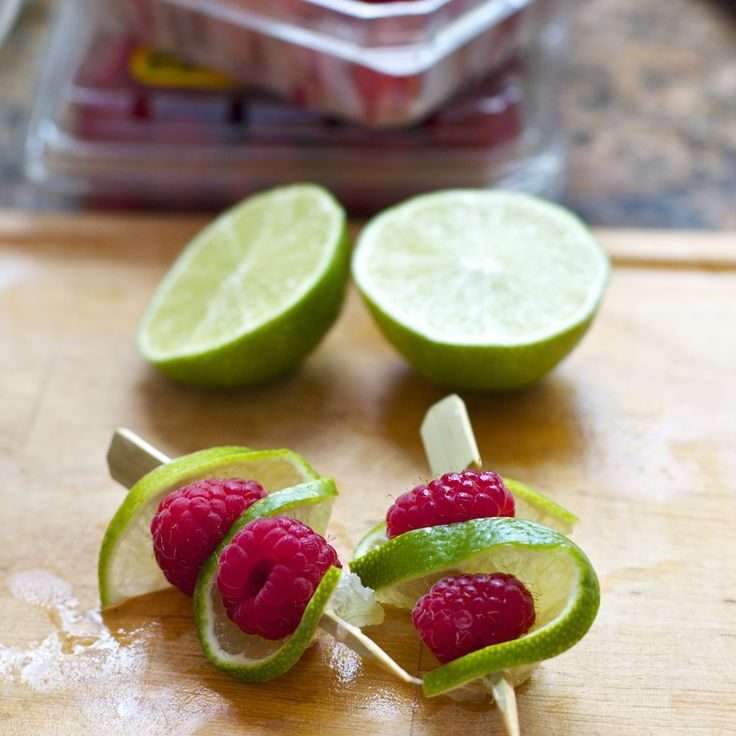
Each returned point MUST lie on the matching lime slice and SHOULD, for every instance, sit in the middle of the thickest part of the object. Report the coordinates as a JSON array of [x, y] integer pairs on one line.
[[127, 566], [535, 506], [372, 540], [530, 505], [556, 571], [482, 290], [253, 658], [253, 293]]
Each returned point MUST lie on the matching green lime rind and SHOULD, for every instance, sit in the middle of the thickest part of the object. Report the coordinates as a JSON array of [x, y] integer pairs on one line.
[[530, 504], [371, 540], [132, 518], [544, 643], [275, 346], [290, 652], [303, 497], [496, 368], [424, 551], [427, 553], [289, 502], [535, 506]]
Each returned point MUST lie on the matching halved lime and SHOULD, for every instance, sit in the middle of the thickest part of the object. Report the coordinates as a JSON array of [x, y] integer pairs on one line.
[[481, 290], [253, 658], [127, 566], [530, 505], [556, 571], [253, 293], [372, 540]]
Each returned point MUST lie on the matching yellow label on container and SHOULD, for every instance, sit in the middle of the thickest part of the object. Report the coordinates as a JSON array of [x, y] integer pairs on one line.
[[162, 69]]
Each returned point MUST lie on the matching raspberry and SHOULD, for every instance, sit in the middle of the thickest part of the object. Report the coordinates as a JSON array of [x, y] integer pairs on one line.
[[467, 612], [269, 572], [451, 498], [193, 520]]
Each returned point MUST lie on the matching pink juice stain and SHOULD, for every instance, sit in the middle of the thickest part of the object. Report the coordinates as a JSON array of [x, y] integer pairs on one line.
[[83, 675]]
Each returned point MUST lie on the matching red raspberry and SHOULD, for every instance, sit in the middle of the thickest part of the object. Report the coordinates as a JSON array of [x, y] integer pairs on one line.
[[269, 572], [193, 520], [467, 612], [451, 498]]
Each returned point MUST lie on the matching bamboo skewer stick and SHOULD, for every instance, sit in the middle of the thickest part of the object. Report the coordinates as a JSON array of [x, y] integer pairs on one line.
[[450, 446]]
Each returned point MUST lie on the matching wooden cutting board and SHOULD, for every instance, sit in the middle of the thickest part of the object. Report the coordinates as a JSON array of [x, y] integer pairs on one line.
[[635, 432]]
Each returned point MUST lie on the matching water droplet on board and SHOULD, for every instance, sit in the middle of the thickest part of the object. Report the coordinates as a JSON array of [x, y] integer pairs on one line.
[[343, 661], [102, 676]]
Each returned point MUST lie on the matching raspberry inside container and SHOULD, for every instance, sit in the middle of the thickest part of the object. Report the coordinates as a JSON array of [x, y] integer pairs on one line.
[[376, 63], [176, 136]]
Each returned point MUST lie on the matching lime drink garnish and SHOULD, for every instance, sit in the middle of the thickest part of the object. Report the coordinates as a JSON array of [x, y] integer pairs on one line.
[[530, 505], [127, 565], [557, 573], [250, 657]]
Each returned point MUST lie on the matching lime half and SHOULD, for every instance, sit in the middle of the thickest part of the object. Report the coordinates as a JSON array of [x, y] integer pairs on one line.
[[253, 658], [253, 293], [558, 574], [480, 290], [127, 566], [530, 505]]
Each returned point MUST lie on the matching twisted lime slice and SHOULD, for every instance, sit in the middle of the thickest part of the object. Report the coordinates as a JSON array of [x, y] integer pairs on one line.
[[127, 566], [530, 505], [372, 540], [556, 571], [253, 658]]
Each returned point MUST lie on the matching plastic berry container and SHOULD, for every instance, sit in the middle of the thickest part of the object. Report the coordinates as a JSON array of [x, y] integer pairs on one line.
[[376, 62], [117, 124]]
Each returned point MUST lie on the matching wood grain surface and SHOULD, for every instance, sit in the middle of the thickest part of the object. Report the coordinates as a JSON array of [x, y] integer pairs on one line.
[[634, 432]]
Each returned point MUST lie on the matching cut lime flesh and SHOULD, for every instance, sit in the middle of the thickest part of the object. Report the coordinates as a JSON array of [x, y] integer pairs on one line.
[[530, 505], [481, 290], [253, 293], [127, 566], [558, 574], [253, 658]]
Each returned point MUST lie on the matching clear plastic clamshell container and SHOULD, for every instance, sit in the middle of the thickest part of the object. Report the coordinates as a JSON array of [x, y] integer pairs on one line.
[[121, 125], [375, 62]]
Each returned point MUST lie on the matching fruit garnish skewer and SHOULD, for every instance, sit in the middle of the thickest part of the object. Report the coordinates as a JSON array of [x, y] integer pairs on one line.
[[395, 566], [130, 457], [450, 446]]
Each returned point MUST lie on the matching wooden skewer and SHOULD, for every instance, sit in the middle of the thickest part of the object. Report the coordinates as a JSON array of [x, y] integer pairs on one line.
[[363, 645], [450, 446], [130, 457]]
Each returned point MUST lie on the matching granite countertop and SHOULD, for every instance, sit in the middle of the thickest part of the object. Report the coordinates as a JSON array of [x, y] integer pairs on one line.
[[650, 105]]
